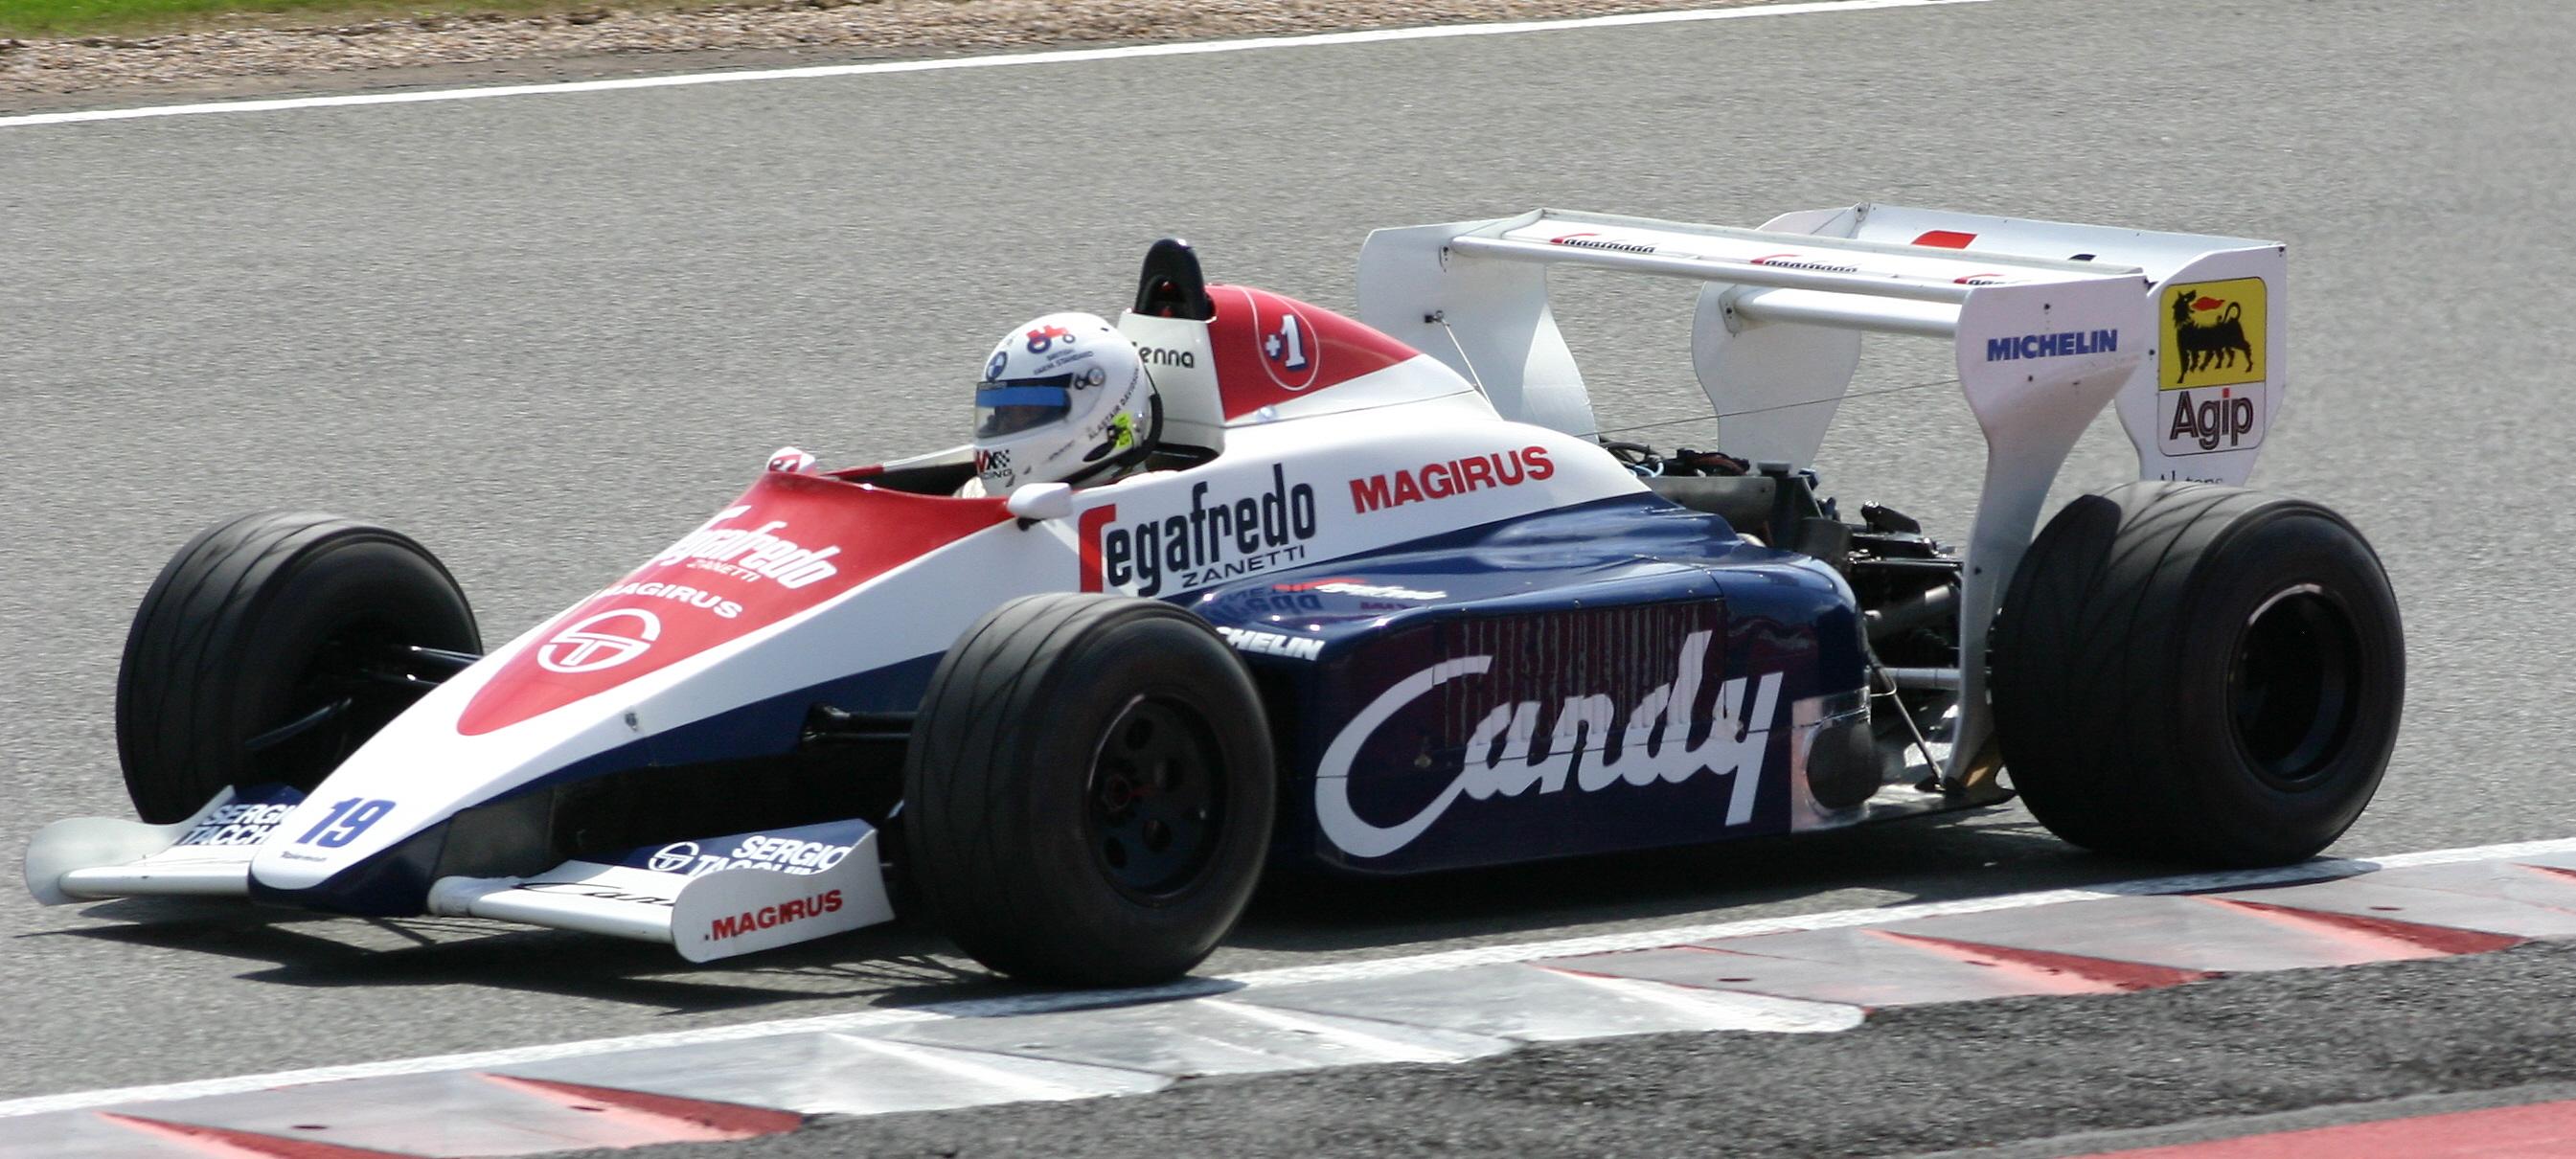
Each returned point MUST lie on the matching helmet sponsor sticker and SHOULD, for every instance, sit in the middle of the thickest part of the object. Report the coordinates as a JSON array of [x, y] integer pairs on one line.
[[1043, 338]]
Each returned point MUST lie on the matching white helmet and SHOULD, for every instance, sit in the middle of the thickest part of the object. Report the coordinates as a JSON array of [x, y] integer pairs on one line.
[[1064, 399]]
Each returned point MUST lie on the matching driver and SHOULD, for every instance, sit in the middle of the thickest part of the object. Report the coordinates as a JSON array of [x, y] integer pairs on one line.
[[1064, 399]]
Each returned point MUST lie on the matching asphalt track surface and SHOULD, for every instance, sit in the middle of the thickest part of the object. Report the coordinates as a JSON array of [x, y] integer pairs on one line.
[[546, 334]]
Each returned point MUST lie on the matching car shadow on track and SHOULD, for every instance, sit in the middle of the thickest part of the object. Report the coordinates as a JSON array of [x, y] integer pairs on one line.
[[1922, 860], [304, 949], [1296, 919]]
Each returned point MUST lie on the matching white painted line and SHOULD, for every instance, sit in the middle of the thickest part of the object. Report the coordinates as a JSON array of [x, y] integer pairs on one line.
[[1730, 1009], [1289, 976], [1345, 1031], [1009, 60], [1024, 1087]]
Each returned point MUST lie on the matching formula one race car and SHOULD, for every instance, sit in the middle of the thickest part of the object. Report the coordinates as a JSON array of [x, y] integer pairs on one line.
[[1381, 603]]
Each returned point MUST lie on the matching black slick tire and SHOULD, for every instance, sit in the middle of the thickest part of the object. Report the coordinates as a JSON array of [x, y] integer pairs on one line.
[[263, 622], [1089, 791], [2198, 673]]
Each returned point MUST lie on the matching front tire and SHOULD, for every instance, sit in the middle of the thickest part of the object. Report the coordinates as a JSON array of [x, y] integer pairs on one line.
[[2198, 673], [261, 655], [1089, 791]]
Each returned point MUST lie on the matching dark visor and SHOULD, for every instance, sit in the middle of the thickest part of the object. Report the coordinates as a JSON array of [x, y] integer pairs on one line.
[[1012, 405]]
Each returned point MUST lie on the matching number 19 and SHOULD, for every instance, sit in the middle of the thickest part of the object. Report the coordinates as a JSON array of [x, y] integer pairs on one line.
[[346, 820]]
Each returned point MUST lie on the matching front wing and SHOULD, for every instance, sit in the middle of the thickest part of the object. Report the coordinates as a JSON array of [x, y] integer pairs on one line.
[[709, 898]]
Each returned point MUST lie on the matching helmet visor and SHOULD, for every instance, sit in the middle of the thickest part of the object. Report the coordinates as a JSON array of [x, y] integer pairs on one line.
[[1012, 405]]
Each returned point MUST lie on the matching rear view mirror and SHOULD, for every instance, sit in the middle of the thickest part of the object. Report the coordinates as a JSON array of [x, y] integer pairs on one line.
[[1042, 501]]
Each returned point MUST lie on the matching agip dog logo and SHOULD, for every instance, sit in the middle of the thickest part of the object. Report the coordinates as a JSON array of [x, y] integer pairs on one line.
[[2213, 335], [2213, 390]]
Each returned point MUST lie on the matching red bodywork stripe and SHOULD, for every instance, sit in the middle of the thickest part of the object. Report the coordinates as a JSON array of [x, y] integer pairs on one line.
[[802, 539]]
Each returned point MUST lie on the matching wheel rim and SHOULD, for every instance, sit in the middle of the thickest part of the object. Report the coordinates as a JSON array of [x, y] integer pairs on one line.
[[1154, 802], [2294, 685]]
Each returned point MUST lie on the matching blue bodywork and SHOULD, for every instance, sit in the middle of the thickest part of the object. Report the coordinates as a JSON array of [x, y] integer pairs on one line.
[[1593, 600]]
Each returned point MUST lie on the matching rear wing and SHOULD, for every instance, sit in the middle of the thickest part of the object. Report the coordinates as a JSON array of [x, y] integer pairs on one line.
[[2049, 322], [1782, 309]]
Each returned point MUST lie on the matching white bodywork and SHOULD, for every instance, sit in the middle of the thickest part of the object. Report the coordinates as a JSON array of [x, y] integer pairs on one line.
[[1782, 309], [2042, 345]]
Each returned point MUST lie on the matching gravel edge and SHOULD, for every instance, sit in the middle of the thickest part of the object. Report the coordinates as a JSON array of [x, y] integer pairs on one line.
[[437, 51]]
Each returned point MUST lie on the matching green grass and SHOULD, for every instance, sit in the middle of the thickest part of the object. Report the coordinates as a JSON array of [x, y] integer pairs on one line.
[[56, 18]]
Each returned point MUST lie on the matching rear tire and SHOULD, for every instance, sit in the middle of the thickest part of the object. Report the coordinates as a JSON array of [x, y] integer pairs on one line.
[[2198, 673], [262, 622], [1089, 791]]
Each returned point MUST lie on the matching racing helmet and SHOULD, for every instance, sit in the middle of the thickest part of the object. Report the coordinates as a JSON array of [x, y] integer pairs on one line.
[[1064, 399]]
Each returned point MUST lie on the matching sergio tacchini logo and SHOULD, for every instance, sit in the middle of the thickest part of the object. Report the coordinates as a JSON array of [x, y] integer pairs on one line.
[[584, 647]]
